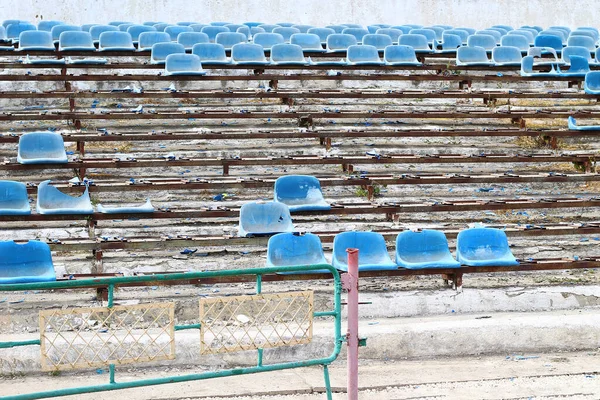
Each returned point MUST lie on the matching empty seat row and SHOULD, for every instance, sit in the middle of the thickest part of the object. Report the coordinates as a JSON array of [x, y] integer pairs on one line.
[[414, 250]]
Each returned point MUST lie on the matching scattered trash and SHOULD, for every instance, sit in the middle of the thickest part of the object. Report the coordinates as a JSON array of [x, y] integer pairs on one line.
[[188, 251]]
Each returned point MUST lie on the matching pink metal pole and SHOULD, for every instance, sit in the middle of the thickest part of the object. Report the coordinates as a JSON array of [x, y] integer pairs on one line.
[[352, 335]]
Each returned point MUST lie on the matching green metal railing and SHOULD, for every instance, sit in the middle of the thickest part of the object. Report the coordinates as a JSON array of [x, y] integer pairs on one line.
[[225, 276]]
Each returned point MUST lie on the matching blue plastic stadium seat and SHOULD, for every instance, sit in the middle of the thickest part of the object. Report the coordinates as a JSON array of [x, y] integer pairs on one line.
[[50, 200], [8, 22], [290, 249], [519, 41], [286, 32], [481, 247], [418, 42], [340, 42], [403, 28], [527, 68], [248, 53], [566, 29], [445, 27], [285, 24], [363, 55], [13, 198], [450, 43], [189, 39], [198, 27], [160, 27], [97, 30], [578, 66], [400, 55], [497, 35], [488, 42], [258, 219], [541, 51], [124, 27], [378, 41], [582, 41], [439, 31], [527, 34], [13, 31], [472, 55], [183, 64], [253, 24], [213, 31], [75, 41], [175, 30], [394, 34], [336, 28], [25, 263], [151, 23], [3, 34], [287, 54], [144, 208], [59, 29], [425, 249], [235, 27], [269, 27], [507, 55], [358, 33], [575, 51], [48, 25], [268, 39], [303, 28], [573, 122], [228, 39], [36, 40], [586, 32], [505, 27], [428, 33], [115, 41], [470, 31], [211, 53], [356, 26], [148, 39], [220, 23], [308, 42], [592, 82], [300, 193], [552, 41], [501, 31], [458, 32], [552, 32], [185, 23], [160, 51], [136, 30], [372, 251], [117, 23], [256, 29], [414, 26], [41, 148]]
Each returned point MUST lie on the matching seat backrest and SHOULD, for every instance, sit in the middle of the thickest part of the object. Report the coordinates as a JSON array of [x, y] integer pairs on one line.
[[471, 31], [481, 244], [263, 218], [287, 52], [189, 39], [394, 34], [243, 29], [247, 52], [13, 198], [576, 51], [552, 41], [148, 39], [228, 39], [124, 27], [322, 33], [175, 30], [416, 41], [185, 23], [428, 33], [497, 35], [439, 31], [380, 42], [256, 29], [41, 147], [198, 27], [308, 41], [136, 30], [583, 41], [208, 52], [303, 28], [519, 41], [505, 27], [290, 249], [450, 41], [506, 54], [267, 39], [115, 40], [555, 32], [340, 41], [565, 29], [488, 42], [358, 33], [528, 34], [182, 63], [25, 263], [47, 25], [13, 31], [160, 51], [290, 188], [96, 30], [336, 28], [117, 23], [471, 54], [36, 39], [423, 246], [501, 31], [579, 65], [285, 24], [59, 29], [458, 32], [585, 32], [371, 248], [213, 31], [400, 54], [252, 24], [50, 200], [8, 22], [592, 80], [75, 40], [403, 28], [2, 33], [356, 26], [269, 27], [363, 53], [286, 32]]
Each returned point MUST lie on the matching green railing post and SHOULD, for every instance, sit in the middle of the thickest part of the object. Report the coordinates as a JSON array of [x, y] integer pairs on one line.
[[327, 382], [260, 358], [258, 284], [111, 293], [111, 369]]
